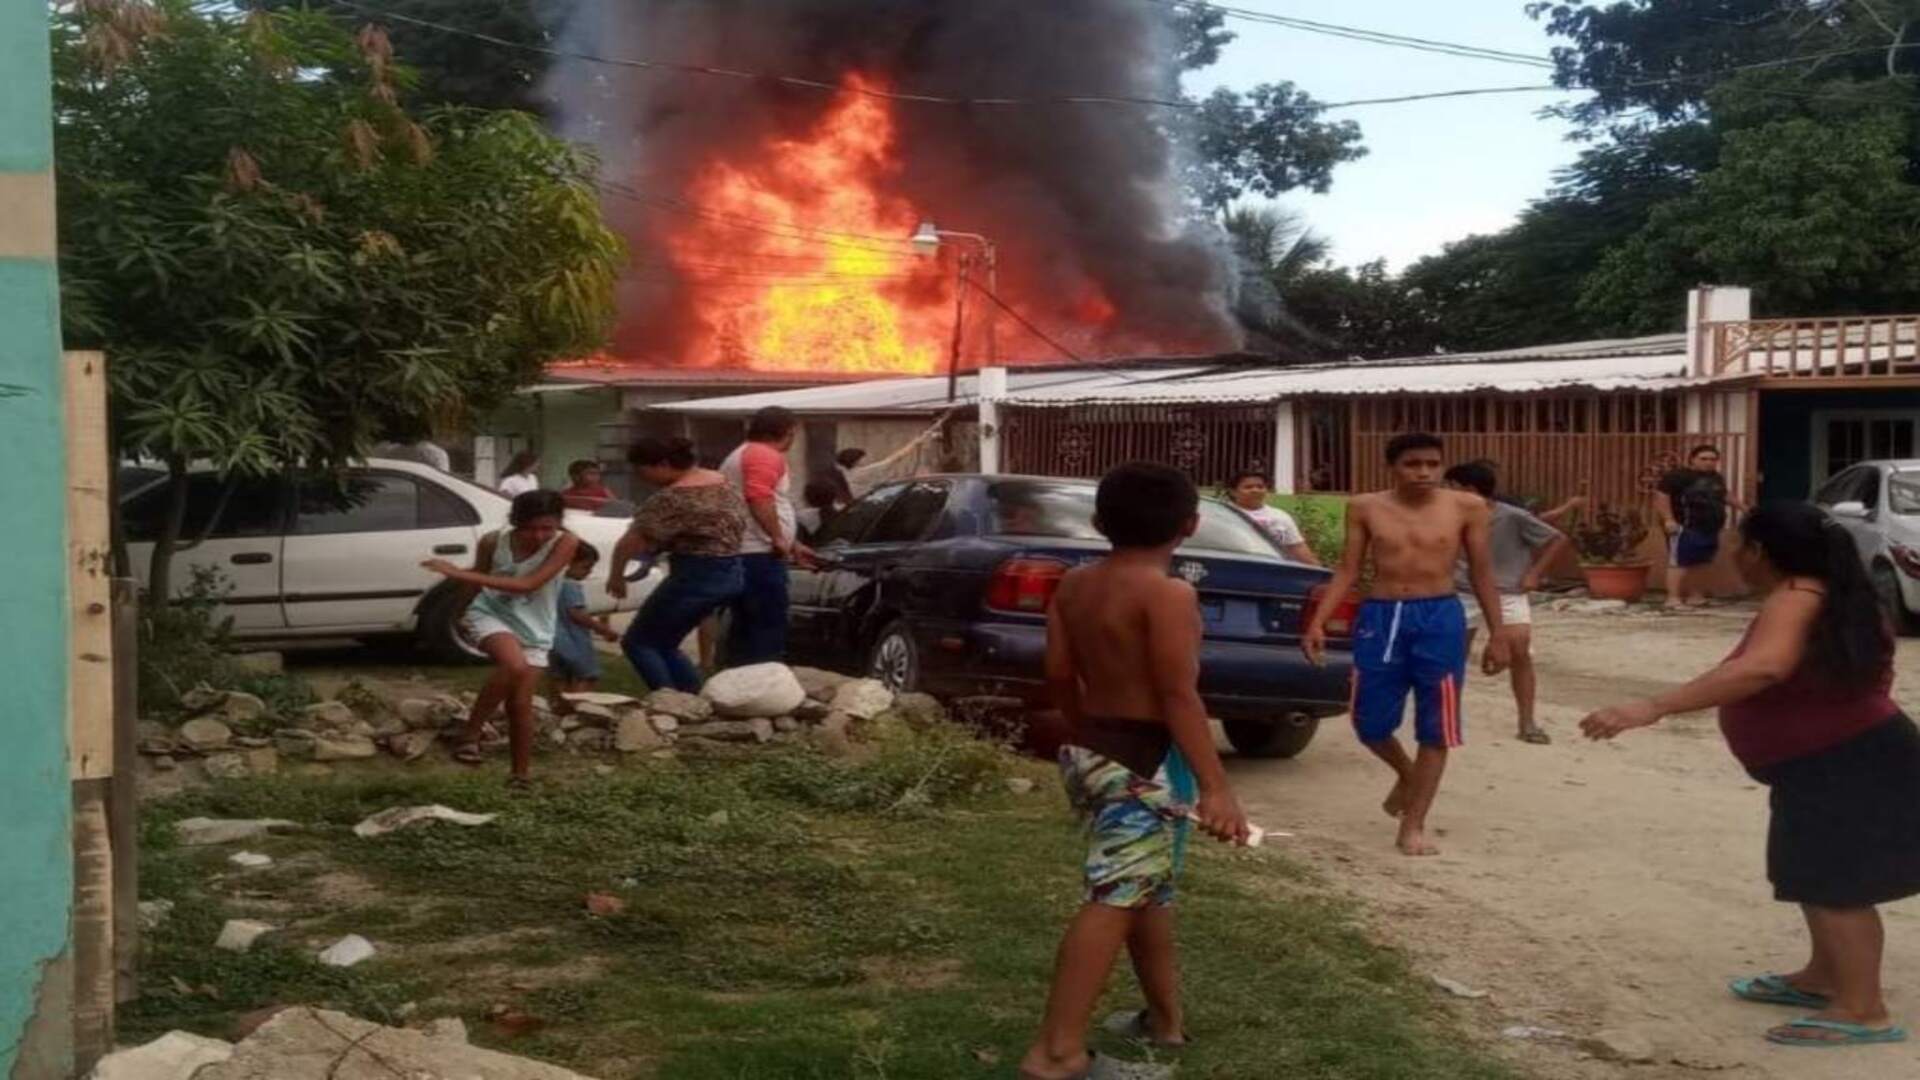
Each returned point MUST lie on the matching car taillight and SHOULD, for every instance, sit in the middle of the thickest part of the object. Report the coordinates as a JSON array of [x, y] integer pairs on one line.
[[1907, 559], [1025, 586], [1340, 623]]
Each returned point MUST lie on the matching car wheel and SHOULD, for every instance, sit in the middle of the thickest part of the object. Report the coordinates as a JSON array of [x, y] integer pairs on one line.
[[895, 659], [1886, 584], [1271, 738], [439, 636]]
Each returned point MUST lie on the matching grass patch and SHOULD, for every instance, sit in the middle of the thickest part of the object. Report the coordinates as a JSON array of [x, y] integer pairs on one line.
[[893, 918]]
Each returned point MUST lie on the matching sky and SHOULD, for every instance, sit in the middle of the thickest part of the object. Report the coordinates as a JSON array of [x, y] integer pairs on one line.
[[1436, 171]]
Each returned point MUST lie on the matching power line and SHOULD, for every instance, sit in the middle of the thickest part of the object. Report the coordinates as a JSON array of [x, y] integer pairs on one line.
[[1355, 33], [1023, 321]]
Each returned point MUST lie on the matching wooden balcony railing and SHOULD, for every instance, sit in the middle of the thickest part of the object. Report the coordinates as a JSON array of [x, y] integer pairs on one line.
[[1863, 349]]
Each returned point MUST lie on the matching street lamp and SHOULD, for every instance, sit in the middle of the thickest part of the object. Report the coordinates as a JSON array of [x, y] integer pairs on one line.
[[927, 240]]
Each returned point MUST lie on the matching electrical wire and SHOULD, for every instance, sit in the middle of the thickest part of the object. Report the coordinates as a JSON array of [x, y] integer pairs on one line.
[[1024, 321], [1355, 33]]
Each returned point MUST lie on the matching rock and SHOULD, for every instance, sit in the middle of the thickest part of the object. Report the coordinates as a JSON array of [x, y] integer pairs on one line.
[[238, 935], [1532, 1034], [157, 747], [863, 699], [679, 705], [401, 817], [636, 735], [755, 691], [205, 735], [1620, 1044], [729, 730], [590, 739], [200, 832], [202, 698], [604, 770], [258, 663], [812, 711], [346, 952], [249, 1022], [261, 761], [1458, 989], [719, 819], [225, 766], [664, 724], [311, 1044], [568, 723], [420, 714], [164, 764], [601, 716], [411, 746], [786, 725], [389, 725], [343, 748], [448, 1029], [1020, 785], [832, 737], [594, 697], [154, 913], [328, 716], [177, 1055], [295, 743], [250, 860], [362, 729], [243, 708], [820, 685], [251, 742], [920, 710]]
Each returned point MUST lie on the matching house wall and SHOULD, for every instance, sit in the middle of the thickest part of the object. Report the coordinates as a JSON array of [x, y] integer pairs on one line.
[[1786, 429], [36, 852], [563, 427]]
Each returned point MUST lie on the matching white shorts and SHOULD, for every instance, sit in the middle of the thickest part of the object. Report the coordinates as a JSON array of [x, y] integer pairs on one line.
[[479, 626], [1515, 610]]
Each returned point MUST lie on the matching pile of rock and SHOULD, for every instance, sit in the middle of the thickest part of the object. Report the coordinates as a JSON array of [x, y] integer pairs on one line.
[[748, 706]]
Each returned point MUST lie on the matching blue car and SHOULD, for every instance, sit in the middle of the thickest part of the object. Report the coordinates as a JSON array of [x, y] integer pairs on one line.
[[941, 585]]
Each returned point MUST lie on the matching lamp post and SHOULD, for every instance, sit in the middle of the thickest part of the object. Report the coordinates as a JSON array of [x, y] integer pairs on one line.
[[927, 241]]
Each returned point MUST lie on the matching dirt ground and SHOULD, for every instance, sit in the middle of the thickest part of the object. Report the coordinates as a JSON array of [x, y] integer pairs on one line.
[[1590, 888]]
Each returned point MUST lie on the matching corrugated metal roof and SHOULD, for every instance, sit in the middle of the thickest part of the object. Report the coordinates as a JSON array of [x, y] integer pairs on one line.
[[1649, 363]]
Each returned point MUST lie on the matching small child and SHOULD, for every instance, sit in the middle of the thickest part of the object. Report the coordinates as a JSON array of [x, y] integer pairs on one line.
[[575, 664], [1123, 664], [512, 595]]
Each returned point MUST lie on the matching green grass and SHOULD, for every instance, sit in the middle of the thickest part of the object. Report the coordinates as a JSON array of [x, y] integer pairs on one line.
[[893, 918]]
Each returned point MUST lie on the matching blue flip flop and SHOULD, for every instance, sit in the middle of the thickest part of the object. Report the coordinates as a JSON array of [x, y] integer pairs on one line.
[[1775, 990], [1850, 1034]]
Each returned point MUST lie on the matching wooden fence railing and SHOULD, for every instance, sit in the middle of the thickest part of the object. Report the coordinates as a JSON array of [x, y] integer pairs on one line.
[[1816, 351], [1208, 442]]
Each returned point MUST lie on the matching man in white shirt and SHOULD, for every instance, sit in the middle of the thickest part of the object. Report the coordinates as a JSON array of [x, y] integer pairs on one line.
[[1249, 492]]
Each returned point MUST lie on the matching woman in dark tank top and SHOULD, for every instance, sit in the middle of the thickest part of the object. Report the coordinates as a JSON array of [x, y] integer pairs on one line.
[[1805, 705]]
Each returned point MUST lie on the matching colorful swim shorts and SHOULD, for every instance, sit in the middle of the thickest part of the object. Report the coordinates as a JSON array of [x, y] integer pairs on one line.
[[1136, 826]]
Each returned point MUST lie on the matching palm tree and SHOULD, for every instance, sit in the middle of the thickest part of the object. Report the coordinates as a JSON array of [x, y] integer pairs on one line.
[[1276, 249]]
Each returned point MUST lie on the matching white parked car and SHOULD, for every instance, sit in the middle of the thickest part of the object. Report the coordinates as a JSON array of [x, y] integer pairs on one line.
[[299, 560], [1879, 504]]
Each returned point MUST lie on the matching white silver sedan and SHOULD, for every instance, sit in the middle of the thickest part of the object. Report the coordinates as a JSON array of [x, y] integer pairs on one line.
[[1879, 504]]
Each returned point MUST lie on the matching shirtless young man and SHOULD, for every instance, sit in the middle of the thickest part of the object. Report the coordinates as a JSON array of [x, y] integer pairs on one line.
[[1123, 664], [1412, 630]]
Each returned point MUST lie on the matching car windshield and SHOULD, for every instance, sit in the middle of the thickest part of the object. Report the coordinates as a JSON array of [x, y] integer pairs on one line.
[[1064, 510], [1903, 492]]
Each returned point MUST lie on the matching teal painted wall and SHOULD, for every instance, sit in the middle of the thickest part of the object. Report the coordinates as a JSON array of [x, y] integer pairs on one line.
[[1786, 432], [36, 853]]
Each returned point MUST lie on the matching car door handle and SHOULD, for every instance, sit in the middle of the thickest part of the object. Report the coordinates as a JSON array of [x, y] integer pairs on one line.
[[450, 549], [252, 558]]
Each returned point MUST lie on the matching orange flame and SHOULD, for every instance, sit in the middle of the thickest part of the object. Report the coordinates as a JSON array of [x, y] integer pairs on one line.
[[799, 260]]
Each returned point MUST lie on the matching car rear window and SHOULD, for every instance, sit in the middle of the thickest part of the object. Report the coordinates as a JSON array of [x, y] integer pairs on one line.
[[1903, 492], [1064, 511]]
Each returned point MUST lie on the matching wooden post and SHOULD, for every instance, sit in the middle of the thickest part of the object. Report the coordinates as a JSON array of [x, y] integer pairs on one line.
[[123, 807], [90, 699]]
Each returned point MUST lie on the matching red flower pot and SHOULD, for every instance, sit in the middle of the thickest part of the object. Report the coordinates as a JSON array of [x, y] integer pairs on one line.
[[1617, 582]]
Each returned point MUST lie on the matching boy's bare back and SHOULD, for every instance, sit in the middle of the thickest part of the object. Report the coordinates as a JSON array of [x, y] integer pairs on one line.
[[1130, 634], [1415, 545]]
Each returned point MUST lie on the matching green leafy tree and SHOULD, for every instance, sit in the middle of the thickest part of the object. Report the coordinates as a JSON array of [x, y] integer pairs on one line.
[[282, 265]]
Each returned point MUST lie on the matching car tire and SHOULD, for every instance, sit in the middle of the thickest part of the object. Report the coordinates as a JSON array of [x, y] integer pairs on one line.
[[439, 636], [894, 658], [1886, 585], [1271, 738]]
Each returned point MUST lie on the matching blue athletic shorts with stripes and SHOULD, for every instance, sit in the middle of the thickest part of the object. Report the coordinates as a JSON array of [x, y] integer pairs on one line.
[[1410, 646]]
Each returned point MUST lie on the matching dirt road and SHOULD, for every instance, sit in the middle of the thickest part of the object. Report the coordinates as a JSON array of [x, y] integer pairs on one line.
[[1590, 888]]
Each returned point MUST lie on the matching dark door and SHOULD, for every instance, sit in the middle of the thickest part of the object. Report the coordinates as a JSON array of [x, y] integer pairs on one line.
[[891, 565], [809, 633]]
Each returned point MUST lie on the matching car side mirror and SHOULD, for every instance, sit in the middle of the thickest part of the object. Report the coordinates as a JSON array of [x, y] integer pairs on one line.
[[1853, 509]]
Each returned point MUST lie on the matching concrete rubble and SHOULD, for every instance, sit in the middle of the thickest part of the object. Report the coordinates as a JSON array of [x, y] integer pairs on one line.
[[238, 935], [401, 817], [317, 1044], [201, 832], [346, 952], [757, 691]]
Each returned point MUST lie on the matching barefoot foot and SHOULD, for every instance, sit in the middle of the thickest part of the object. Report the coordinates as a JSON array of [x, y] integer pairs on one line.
[[1415, 842], [1396, 803], [1040, 1066]]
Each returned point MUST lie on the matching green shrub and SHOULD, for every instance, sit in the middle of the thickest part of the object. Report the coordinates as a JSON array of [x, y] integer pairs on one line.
[[185, 644]]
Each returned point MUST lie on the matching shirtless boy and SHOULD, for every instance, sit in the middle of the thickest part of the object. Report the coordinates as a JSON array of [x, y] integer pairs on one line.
[[1412, 630], [1123, 664]]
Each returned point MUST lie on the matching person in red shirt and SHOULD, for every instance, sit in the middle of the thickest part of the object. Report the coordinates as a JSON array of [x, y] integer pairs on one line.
[[585, 490], [1805, 706], [758, 471]]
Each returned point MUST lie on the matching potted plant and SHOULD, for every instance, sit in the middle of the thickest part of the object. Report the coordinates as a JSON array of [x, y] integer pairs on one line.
[[1611, 542]]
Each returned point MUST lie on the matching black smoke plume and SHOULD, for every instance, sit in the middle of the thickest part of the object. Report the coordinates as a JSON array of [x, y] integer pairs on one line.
[[1073, 193]]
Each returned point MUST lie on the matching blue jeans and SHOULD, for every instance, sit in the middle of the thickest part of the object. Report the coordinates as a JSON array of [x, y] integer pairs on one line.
[[696, 586], [759, 632]]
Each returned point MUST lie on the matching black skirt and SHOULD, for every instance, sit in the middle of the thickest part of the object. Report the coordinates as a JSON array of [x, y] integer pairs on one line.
[[1846, 821]]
